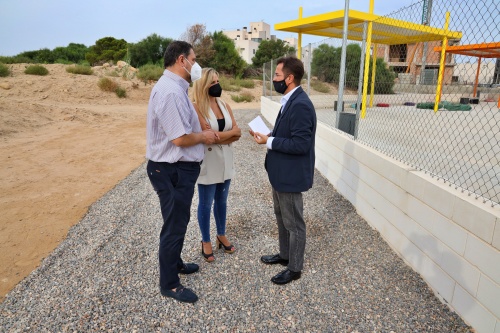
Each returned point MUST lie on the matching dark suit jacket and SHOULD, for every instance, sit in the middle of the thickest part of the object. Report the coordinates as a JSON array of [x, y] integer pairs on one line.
[[290, 163]]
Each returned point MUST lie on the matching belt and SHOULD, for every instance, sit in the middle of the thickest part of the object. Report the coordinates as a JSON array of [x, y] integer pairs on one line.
[[180, 162]]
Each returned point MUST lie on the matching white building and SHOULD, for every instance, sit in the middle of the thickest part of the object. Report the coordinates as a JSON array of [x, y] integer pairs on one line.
[[465, 73], [291, 41], [247, 40]]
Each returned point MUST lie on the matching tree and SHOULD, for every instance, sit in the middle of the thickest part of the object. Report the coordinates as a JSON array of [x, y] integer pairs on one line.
[[194, 34], [202, 43], [149, 50], [326, 63], [226, 59], [384, 78], [42, 56], [205, 51], [107, 49], [271, 49], [326, 67], [73, 53]]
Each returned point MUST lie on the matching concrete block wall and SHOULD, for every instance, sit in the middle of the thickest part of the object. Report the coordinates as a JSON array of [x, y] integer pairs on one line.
[[449, 238]]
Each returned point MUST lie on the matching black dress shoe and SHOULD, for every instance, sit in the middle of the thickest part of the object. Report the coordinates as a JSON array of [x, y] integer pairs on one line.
[[188, 269], [273, 259], [181, 293], [285, 277]]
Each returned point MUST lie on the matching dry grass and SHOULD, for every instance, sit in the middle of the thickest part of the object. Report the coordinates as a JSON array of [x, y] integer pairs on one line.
[[106, 84], [80, 69], [243, 97]]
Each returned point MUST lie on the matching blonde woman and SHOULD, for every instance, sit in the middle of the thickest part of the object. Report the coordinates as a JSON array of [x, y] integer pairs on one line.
[[217, 168]]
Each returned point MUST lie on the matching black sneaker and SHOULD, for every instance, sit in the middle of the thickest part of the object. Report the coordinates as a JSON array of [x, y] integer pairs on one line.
[[181, 293], [189, 269]]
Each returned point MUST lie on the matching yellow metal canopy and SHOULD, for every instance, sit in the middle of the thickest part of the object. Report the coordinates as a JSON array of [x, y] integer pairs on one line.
[[385, 30], [483, 50]]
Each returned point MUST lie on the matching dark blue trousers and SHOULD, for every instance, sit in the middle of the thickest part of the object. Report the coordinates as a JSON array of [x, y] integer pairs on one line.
[[174, 183]]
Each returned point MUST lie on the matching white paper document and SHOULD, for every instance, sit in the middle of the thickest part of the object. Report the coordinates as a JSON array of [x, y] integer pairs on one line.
[[258, 125]]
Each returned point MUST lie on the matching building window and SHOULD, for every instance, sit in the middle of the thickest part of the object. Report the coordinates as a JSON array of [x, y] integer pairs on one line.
[[253, 51], [397, 53]]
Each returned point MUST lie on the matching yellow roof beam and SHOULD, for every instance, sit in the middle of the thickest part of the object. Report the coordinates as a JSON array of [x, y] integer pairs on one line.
[[409, 26], [385, 30]]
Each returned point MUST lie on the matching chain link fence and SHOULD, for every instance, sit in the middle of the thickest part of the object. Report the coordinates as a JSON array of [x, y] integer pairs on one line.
[[458, 143]]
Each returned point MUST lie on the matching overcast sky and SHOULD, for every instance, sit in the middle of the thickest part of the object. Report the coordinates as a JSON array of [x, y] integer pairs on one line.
[[27, 25]]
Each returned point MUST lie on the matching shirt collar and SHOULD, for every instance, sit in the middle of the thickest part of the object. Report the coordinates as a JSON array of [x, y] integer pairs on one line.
[[286, 97], [180, 80]]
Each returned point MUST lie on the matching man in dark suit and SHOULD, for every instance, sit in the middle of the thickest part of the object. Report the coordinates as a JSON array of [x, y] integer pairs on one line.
[[290, 166]]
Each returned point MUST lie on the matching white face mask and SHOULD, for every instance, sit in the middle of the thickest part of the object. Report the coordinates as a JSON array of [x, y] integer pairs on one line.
[[195, 71]]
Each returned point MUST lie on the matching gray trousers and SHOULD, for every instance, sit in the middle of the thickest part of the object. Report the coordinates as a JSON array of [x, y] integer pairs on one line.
[[289, 210]]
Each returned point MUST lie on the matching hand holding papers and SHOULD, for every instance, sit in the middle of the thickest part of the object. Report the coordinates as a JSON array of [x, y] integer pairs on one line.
[[257, 126]]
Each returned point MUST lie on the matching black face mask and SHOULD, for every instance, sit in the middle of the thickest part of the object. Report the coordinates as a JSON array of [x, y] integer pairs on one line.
[[215, 90], [280, 86]]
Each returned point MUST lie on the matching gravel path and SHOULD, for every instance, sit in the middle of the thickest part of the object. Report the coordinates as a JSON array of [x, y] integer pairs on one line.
[[104, 276]]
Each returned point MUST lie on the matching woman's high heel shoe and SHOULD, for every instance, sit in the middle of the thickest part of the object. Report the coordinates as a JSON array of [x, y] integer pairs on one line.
[[209, 257], [228, 249]]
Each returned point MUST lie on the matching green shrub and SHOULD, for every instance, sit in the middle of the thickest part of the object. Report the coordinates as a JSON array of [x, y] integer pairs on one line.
[[16, 60], [245, 83], [320, 86], [80, 69], [6, 60], [63, 61], [326, 66], [4, 70], [227, 84], [36, 70], [230, 87], [232, 84], [120, 92], [107, 84], [244, 97], [150, 72], [19, 59]]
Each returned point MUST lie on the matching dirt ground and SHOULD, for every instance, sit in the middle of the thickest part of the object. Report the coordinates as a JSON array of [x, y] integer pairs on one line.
[[63, 144]]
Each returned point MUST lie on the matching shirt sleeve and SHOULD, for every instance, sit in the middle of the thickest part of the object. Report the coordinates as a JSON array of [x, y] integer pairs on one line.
[[172, 116], [269, 143]]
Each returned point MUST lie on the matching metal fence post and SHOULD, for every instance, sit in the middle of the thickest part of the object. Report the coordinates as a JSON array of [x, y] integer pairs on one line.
[[426, 19], [271, 80], [264, 79], [360, 82], [309, 69], [340, 103]]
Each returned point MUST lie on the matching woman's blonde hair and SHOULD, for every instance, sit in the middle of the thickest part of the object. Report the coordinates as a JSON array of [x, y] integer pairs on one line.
[[200, 90]]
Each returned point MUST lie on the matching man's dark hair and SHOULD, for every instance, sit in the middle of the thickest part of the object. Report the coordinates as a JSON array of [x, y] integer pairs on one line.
[[174, 50], [292, 65]]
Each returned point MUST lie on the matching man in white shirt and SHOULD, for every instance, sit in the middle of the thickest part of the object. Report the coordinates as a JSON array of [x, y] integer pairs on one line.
[[175, 150]]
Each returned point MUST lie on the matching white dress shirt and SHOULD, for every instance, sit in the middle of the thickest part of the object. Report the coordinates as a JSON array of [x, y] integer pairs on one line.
[[283, 102]]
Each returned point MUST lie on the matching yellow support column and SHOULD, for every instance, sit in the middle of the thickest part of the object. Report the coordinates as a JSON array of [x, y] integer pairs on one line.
[[299, 49], [439, 86], [374, 71], [367, 63]]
